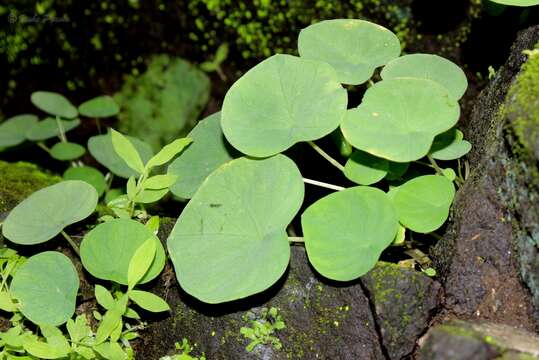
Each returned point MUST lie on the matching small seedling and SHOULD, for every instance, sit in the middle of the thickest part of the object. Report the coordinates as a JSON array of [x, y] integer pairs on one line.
[[262, 330], [215, 64]]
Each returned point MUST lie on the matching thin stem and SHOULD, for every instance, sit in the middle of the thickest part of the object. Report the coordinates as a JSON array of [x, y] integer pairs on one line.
[[331, 160], [43, 146], [61, 129], [323, 184], [71, 242], [220, 72], [98, 124], [435, 165], [296, 239]]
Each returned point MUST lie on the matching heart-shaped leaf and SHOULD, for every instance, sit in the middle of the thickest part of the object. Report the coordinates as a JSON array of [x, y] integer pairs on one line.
[[208, 151], [230, 240], [345, 232], [365, 169], [399, 118], [48, 128], [353, 47], [107, 250], [54, 104], [450, 145], [13, 130], [427, 66], [423, 203], [87, 174], [281, 101], [65, 151], [45, 213], [46, 287], [99, 107], [102, 150]]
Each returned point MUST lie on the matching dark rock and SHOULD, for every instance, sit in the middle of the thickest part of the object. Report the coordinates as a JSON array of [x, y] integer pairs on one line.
[[494, 213], [404, 302], [468, 341]]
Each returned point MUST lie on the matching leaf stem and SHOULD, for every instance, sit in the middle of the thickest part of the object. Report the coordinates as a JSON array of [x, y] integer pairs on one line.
[[71, 242], [323, 184], [296, 239], [435, 165], [43, 146], [325, 155], [61, 129]]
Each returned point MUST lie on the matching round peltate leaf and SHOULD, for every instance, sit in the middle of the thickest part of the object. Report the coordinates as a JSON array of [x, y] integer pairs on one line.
[[353, 47], [46, 287], [108, 248], [423, 203], [365, 169], [399, 118], [99, 107], [45, 213], [13, 130], [282, 101], [230, 240], [432, 67], [88, 174], [450, 145], [48, 128], [54, 104], [67, 151], [345, 232], [208, 151], [102, 150], [517, 2]]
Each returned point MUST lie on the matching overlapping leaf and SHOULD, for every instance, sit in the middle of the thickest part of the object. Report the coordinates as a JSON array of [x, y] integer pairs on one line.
[[13, 130]]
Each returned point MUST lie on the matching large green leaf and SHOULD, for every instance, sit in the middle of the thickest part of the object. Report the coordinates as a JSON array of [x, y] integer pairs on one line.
[[99, 107], [65, 151], [54, 104], [102, 150], [13, 130], [107, 250], [432, 67], [517, 2], [365, 169], [208, 151], [46, 287], [88, 174], [230, 241], [423, 203], [48, 128], [399, 118], [353, 47], [345, 232], [281, 101], [45, 213]]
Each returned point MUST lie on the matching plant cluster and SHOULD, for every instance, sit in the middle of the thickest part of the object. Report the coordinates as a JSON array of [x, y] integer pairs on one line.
[[262, 330]]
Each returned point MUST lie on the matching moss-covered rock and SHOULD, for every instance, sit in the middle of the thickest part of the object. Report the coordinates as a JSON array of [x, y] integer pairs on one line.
[[164, 102]]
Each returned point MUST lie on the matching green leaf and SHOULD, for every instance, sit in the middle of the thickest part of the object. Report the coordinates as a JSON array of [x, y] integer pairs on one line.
[[102, 150], [150, 196], [131, 188], [65, 151], [399, 118], [241, 212], [148, 301], [127, 151], [46, 287], [111, 320], [13, 130], [160, 182], [45, 213], [99, 107], [111, 351], [48, 128], [42, 350], [365, 169], [55, 338], [104, 297], [153, 224], [423, 203], [207, 66], [168, 152], [6, 303], [449, 173], [432, 67], [132, 314], [450, 145], [108, 248], [78, 329], [346, 231], [221, 54], [281, 101], [208, 151], [54, 104], [141, 262], [517, 2], [396, 170], [353, 47], [89, 175]]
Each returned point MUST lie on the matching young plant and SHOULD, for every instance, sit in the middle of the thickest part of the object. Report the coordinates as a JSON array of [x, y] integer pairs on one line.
[[185, 349], [243, 208], [215, 64], [263, 329]]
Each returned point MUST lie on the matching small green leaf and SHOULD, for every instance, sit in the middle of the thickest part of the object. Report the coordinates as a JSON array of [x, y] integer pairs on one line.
[[65, 151], [396, 170], [54, 104], [99, 107], [131, 188], [13, 130], [168, 152], [132, 314], [48, 128], [450, 145], [449, 173], [111, 319], [160, 182], [207, 66], [6, 303], [141, 262], [78, 329], [150, 196], [111, 351], [42, 350], [153, 224], [400, 237], [125, 149], [148, 301], [365, 169], [104, 297], [221, 53], [89, 175]]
